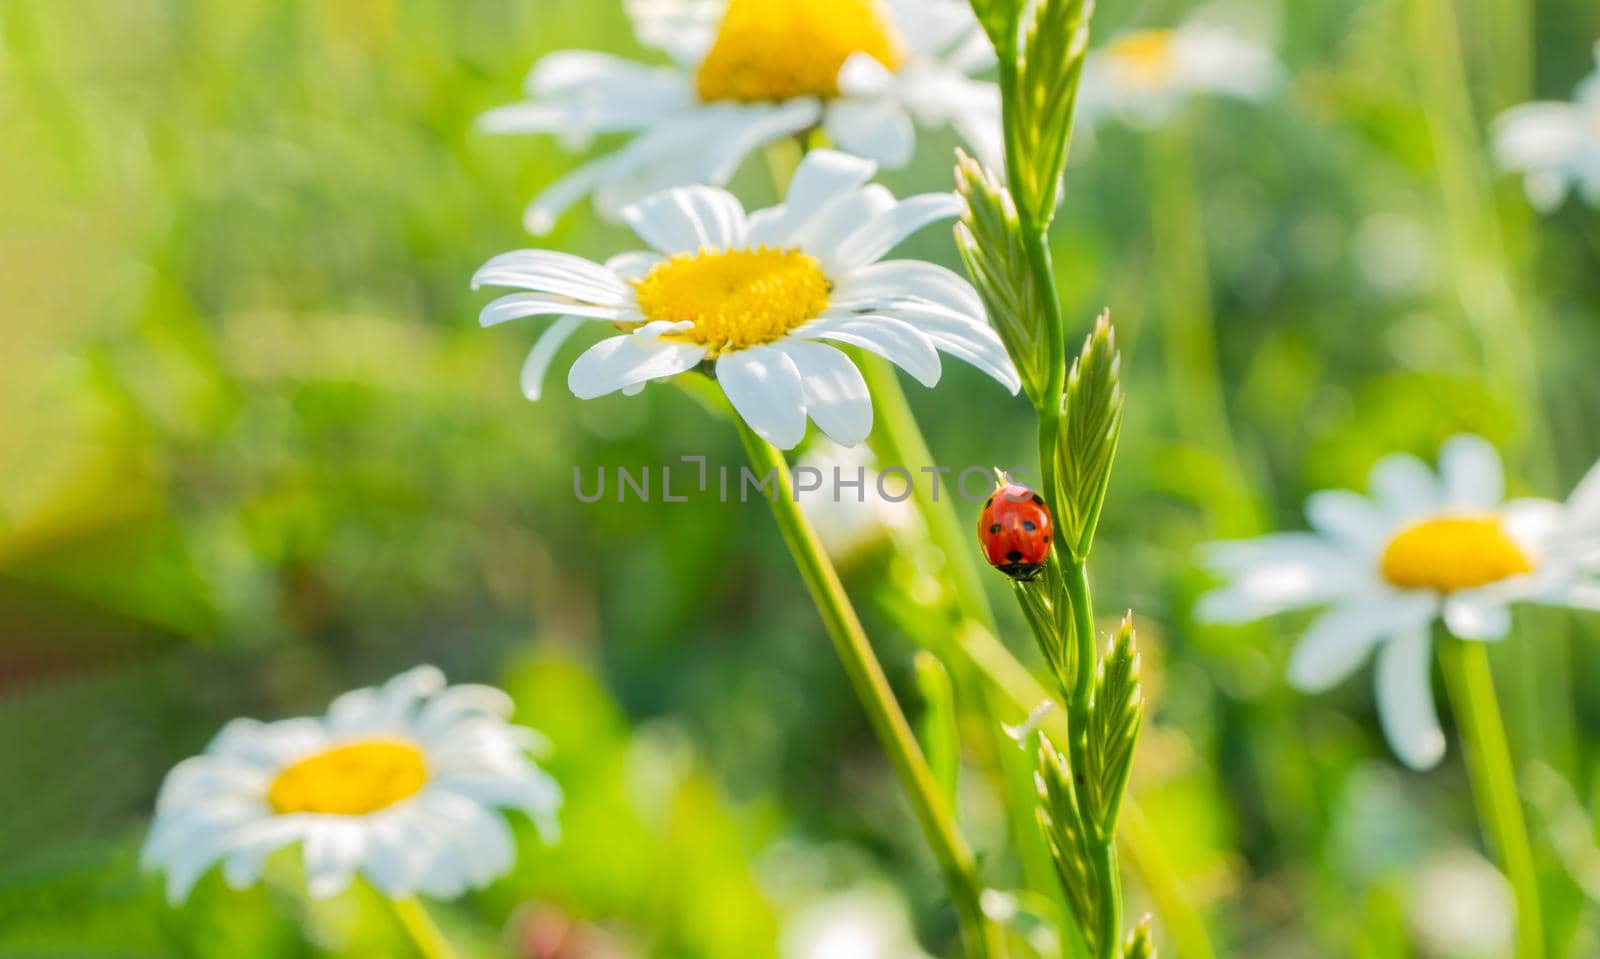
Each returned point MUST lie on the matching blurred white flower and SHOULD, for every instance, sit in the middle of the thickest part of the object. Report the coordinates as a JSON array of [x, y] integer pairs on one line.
[[758, 297], [1555, 145], [747, 73], [849, 519], [1421, 549], [1463, 907], [401, 783], [1143, 76], [869, 922]]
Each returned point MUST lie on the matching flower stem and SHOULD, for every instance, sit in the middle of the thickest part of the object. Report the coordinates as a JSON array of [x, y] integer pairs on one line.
[[424, 932], [980, 935], [1470, 684]]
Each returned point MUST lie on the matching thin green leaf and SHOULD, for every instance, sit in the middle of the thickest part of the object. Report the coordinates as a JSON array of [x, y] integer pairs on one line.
[[1141, 942], [1090, 429], [999, 19], [989, 237], [1050, 66], [1071, 850], [1115, 714], [941, 738]]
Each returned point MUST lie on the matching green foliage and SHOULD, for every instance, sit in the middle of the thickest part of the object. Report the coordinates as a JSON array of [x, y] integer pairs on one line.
[[1141, 943], [1072, 848], [1115, 714], [1090, 430], [990, 240], [937, 728], [1055, 41], [999, 19]]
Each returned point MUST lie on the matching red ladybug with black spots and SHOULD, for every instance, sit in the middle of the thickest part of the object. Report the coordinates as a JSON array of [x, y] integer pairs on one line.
[[1014, 530]]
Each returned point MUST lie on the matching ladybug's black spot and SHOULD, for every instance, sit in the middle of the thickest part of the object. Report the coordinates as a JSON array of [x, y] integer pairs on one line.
[[1027, 524], [1038, 499], [988, 502], [1015, 556], [1047, 537], [995, 528]]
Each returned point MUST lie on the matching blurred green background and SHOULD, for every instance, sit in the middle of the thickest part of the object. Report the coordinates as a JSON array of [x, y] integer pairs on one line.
[[256, 450]]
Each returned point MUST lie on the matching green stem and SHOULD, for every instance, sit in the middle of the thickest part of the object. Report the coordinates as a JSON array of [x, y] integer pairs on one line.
[[1146, 855], [424, 932], [1470, 684], [981, 937], [1076, 575]]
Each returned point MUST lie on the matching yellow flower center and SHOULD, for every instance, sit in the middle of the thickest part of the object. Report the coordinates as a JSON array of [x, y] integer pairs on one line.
[[735, 298], [1448, 553], [1144, 59], [778, 49], [350, 780]]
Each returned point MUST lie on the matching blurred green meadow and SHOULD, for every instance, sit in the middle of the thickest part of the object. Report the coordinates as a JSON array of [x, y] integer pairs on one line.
[[256, 450]]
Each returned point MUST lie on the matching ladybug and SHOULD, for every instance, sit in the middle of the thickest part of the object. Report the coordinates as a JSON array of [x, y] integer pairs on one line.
[[1014, 530]]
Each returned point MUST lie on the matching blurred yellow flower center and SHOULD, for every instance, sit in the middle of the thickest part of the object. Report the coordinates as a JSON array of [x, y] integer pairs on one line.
[[1448, 553], [1143, 59], [350, 780], [777, 49], [735, 298]]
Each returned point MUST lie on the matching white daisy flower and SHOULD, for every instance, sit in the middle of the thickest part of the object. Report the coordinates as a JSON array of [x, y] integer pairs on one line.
[[1142, 76], [747, 73], [1555, 145], [759, 300], [1421, 549], [401, 783]]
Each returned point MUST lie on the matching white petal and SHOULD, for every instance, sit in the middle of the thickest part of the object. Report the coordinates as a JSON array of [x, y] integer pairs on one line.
[[879, 129], [268, 745], [634, 266], [1404, 487], [882, 233], [1471, 473], [839, 219], [544, 350], [1340, 640], [863, 76], [621, 361], [1542, 528], [836, 395], [1577, 595], [825, 180], [760, 125], [1405, 699], [333, 849], [1583, 506], [533, 792], [515, 306], [765, 388], [1477, 615], [559, 274], [687, 219], [253, 844], [893, 339], [1347, 518], [1277, 573], [394, 862], [684, 29], [824, 175], [891, 281], [972, 341]]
